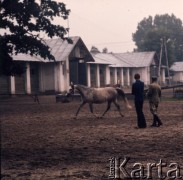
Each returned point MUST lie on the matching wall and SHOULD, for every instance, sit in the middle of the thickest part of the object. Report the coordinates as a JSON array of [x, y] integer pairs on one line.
[[144, 73], [178, 77]]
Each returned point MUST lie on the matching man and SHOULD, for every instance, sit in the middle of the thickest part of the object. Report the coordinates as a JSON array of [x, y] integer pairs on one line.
[[138, 92], [154, 94]]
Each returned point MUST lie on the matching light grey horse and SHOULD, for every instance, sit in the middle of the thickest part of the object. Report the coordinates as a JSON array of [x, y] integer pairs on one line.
[[98, 96]]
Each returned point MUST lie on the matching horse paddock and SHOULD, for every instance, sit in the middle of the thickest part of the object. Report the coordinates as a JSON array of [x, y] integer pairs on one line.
[[43, 141]]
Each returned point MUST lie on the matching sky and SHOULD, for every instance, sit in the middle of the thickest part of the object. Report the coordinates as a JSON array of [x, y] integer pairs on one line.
[[111, 23]]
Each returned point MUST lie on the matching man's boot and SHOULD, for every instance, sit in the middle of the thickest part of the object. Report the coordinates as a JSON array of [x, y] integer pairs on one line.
[[154, 122], [158, 120]]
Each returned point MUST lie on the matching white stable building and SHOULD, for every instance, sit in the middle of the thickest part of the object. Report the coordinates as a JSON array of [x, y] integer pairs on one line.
[[46, 76], [74, 63], [113, 68]]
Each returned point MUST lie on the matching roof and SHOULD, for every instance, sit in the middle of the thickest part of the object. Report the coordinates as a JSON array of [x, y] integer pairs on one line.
[[136, 59], [177, 66], [60, 49], [104, 58], [133, 59]]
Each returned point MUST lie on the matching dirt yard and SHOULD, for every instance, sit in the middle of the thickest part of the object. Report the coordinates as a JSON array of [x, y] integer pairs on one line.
[[44, 142]]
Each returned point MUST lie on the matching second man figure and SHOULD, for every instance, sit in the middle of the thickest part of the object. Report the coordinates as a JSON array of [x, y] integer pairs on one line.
[[138, 92]]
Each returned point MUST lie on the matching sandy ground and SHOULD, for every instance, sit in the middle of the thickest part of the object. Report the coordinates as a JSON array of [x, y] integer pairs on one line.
[[43, 141]]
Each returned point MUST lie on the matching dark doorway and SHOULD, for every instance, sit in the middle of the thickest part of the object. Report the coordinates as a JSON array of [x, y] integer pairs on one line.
[[78, 72], [102, 75], [4, 84], [73, 72], [34, 73], [20, 84], [82, 73]]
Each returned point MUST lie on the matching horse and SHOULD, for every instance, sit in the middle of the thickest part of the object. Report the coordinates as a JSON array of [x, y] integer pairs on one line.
[[113, 85], [98, 96]]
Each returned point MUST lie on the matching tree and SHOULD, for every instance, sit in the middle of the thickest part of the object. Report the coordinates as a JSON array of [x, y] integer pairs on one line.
[[162, 29], [23, 22], [105, 50]]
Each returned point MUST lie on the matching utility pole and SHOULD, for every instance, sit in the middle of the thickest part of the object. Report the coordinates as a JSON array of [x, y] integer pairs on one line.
[[164, 46], [159, 68], [167, 64]]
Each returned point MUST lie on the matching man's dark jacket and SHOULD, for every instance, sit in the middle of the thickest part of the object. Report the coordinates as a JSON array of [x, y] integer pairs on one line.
[[138, 90]]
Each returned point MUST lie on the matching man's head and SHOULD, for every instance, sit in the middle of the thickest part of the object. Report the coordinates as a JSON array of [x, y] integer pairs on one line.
[[137, 76], [154, 78]]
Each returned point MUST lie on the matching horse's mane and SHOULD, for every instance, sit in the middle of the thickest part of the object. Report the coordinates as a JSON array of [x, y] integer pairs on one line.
[[82, 86]]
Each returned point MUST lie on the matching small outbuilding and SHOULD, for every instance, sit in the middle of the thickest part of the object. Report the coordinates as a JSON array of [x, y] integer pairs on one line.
[[177, 72]]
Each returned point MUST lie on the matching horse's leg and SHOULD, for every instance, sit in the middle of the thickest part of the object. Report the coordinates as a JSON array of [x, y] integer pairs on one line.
[[91, 108], [108, 107], [118, 107], [83, 103]]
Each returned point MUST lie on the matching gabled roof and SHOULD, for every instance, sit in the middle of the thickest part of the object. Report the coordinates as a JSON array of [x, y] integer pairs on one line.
[[60, 49], [134, 59], [177, 66]]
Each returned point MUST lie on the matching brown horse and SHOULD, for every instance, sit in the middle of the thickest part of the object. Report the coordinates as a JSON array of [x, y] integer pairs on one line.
[[98, 96]]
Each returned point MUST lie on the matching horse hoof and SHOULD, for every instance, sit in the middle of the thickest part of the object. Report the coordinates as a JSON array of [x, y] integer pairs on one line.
[[75, 117], [100, 117]]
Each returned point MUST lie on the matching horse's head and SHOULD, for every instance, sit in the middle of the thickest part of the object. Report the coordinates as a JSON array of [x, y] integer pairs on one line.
[[74, 88], [77, 88]]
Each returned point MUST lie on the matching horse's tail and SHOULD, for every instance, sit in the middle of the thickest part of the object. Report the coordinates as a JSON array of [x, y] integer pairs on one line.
[[121, 93]]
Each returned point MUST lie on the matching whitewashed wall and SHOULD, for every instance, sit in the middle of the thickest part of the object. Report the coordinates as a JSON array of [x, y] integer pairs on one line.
[[178, 77], [144, 74]]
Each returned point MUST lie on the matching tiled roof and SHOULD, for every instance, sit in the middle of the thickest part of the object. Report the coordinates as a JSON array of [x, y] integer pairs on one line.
[[177, 66], [134, 59], [59, 48]]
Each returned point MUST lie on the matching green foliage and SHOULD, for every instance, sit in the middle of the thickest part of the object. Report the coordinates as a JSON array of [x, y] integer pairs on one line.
[[151, 32], [23, 22]]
